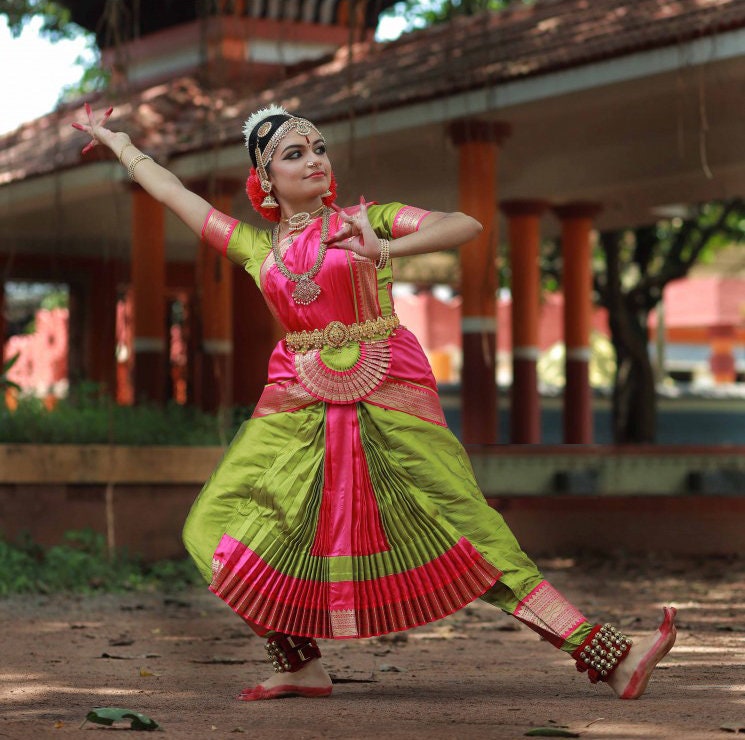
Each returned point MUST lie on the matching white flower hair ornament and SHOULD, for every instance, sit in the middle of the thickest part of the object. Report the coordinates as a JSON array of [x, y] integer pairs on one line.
[[256, 118]]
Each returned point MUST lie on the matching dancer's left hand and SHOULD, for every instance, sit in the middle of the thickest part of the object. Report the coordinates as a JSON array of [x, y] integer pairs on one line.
[[356, 235]]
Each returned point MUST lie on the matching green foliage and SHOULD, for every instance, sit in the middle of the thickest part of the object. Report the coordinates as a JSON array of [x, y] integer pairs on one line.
[[422, 13], [91, 417], [5, 382], [56, 18], [94, 78], [56, 298], [56, 25], [82, 564]]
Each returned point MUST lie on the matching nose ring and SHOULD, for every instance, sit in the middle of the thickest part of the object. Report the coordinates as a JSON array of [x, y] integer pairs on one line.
[[313, 164]]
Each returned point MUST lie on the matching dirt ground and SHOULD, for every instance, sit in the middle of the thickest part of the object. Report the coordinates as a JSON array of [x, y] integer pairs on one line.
[[181, 659]]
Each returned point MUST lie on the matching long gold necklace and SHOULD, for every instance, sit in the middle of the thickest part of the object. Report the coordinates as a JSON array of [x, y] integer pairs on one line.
[[306, 291]]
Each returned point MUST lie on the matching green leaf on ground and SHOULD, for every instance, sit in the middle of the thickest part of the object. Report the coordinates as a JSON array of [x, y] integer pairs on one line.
[[108, 715], [556, 731]]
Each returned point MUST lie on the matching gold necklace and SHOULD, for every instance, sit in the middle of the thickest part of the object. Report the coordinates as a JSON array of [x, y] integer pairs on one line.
[[306, 291], [298, 221]]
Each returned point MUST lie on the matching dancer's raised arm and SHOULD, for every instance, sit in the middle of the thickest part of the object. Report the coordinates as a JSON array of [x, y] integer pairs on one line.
[[162, 184]]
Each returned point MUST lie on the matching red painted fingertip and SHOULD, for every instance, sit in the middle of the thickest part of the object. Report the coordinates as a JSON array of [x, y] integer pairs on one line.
[[88, 109], [362, 200], [88, 147], [109, 111], [77, 126]]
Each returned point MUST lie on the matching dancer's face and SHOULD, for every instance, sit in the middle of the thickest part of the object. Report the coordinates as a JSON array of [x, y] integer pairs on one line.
[[300, 169]]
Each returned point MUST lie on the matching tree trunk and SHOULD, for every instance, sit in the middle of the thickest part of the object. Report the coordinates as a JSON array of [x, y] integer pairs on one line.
[[634, 394], [634, 398]]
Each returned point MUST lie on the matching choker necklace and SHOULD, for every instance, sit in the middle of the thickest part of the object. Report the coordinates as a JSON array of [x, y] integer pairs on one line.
[[306, 291], [298, 221]]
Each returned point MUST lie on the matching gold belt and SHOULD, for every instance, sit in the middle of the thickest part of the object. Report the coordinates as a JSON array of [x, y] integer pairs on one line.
[[338, 334]]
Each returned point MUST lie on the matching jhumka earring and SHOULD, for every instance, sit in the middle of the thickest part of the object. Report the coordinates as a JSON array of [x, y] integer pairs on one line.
[[266, 186], [327, 193], [269, 201]]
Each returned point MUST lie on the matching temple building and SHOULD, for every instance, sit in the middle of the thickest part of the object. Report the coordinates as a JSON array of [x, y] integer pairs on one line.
[[557, 118]]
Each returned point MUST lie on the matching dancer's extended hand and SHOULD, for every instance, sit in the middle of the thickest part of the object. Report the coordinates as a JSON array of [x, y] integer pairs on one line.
[[356, 235], [116, 141]]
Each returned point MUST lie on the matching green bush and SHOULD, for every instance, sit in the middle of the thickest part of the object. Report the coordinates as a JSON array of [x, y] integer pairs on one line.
[[91, 417], [81, 564]]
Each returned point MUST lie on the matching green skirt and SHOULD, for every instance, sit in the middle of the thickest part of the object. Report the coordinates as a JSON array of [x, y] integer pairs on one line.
[[349, 521]]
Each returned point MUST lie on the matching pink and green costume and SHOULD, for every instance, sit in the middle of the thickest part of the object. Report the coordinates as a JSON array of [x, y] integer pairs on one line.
[[345, 507]]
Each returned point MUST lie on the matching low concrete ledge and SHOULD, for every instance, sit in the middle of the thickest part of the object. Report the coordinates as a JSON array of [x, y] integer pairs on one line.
[[536, 470], [555, 499], [104, 464], [501, 470]]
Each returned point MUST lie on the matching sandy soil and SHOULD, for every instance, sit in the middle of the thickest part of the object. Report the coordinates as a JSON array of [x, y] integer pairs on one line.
[[181, 659]]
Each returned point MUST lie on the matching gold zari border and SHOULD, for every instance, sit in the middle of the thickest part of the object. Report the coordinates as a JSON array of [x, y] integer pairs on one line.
[[395, 394], [217, 230]]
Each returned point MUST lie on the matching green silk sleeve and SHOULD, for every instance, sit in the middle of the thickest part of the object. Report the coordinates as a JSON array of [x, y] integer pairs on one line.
[[390, 221], [382, 217], [248, 247], [240, 242]]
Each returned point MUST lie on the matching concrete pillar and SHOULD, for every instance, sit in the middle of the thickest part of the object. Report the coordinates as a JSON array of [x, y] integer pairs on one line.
[[478, 146], [576, 228], [524, 239], [148, 293]]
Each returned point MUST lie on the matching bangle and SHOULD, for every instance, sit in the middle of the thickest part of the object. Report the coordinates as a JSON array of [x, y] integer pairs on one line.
[[124, 149], [385, 253], [135, 161]]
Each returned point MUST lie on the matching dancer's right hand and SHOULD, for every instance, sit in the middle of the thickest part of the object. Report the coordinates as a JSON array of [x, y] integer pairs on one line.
[[115, 140]]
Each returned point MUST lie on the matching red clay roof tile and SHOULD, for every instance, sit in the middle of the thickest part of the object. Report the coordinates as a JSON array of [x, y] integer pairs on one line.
[[469, 53]]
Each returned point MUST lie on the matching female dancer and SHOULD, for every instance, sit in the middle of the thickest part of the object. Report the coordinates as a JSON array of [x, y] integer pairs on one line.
[[345, 507]]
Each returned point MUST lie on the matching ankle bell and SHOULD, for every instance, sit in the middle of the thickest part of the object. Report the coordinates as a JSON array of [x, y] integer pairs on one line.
[[289, 654], [602, 651]]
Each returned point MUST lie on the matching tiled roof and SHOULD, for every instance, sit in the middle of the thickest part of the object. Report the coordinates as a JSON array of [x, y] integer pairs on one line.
[[153, 17], [469, 53]]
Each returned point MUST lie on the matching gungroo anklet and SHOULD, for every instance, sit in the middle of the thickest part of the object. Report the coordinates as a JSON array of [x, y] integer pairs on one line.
[[289, 654], [601, 652]]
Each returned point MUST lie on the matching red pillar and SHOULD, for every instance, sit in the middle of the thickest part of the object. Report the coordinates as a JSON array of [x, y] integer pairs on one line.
[[576, 229], [214, 381], [3, 328], [478, 146], [524, 238], [254, 339], [722, 340], [101, 311], [148, 292]]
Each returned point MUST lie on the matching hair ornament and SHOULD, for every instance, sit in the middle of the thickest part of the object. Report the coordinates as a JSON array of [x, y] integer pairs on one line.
[[256, 118]]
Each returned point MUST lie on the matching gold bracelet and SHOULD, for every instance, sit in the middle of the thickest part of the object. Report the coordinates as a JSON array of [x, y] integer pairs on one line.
[[385, 254], [135, 161], [124, 149]]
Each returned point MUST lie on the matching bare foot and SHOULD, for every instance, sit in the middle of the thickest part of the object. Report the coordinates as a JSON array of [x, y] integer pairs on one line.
[[632, 675], [311, 680]]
